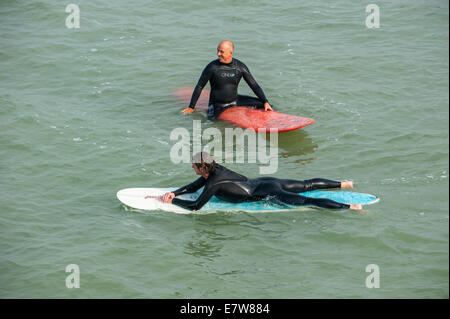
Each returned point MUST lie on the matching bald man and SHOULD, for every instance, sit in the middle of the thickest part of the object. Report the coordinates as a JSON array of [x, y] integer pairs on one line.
[[224, 75]]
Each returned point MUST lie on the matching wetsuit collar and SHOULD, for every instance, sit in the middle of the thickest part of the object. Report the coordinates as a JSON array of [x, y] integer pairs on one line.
[[229, 64], [214, 171]]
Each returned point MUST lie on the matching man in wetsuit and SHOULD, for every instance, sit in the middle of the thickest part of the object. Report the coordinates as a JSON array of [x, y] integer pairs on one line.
[[233, 187], [224, 75]]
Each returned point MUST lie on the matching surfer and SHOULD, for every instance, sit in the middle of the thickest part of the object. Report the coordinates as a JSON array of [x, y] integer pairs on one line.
[[233, 187], [224, 75]]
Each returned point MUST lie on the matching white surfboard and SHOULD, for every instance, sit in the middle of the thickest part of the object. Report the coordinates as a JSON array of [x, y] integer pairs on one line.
[[136, 198], [143, 198]]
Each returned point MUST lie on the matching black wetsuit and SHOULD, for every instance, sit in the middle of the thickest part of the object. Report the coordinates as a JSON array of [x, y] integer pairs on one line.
[[233, 187], [224, 79]]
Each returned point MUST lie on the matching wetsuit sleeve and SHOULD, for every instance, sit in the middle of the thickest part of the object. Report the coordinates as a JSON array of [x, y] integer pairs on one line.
[[204, 197], [192, 187], [204, 78], [248, 77]]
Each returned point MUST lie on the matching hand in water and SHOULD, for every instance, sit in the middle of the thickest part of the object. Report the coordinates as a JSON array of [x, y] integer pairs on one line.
[[187, 110]]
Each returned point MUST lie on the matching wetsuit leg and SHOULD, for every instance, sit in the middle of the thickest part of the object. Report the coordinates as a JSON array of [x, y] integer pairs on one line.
[[252, 102], [249, 101], [295, 199], [211, 112], [296, 186], [270, 187], [214, 110]]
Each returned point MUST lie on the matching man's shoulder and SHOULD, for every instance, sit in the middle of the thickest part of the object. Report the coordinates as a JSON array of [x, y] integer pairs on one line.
[[239, 62], [211, 66], [213, 63], [225, 172]]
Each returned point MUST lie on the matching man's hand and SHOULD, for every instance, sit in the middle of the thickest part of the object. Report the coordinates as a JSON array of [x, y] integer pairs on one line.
[[167, 198], [187, 110], [267, 107]]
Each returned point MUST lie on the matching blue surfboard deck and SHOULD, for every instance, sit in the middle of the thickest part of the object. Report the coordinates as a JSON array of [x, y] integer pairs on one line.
[[343, 197], [269, 205]]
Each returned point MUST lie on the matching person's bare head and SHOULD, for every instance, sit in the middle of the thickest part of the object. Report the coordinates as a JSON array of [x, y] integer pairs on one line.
[[203, 163], [225, 51]]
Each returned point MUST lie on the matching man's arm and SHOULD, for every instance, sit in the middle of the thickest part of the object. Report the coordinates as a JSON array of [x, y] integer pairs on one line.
[[192, 187], [204, 197], [248, 77], [204, 78]]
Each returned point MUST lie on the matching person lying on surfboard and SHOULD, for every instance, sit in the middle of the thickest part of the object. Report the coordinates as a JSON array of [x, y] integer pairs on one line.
[[224, 75], [233, 187]]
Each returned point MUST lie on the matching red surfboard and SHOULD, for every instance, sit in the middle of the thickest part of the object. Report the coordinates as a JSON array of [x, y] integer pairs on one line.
[[245, 117]]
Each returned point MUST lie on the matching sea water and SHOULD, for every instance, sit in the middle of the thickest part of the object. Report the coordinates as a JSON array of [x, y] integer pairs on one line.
[[87, 109]]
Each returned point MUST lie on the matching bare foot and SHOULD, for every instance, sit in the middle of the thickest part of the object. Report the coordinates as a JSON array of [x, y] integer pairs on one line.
[[356, 206], [347, 184]]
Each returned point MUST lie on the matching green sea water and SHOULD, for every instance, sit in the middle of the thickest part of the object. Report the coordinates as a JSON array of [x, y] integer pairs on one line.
[[87, 111]]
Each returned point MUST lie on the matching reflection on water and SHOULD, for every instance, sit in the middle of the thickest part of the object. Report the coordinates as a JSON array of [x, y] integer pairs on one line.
[[210, 234], [296, 143], [214, 231], [201, 246], [227, 142]]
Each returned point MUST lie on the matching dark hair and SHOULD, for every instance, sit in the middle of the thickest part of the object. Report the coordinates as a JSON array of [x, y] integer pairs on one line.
[[204, 162]]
